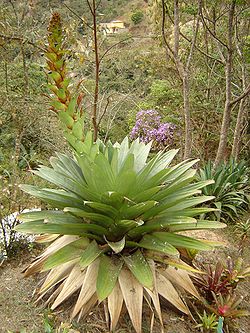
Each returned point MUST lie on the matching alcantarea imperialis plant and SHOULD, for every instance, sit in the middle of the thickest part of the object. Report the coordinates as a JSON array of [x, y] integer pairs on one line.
[[114, 225], [114, 218]]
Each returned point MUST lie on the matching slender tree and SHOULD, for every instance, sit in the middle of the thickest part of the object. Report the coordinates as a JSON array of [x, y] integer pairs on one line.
[[182, 66], [228, 75], [244, 102]]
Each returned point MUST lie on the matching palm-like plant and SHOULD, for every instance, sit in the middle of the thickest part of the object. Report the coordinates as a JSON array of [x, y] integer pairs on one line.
[[114, 218]]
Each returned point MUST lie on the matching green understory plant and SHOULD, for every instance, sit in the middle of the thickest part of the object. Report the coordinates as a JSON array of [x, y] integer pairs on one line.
[[49, 325], [230, 189], [208, 322], [114, 218]]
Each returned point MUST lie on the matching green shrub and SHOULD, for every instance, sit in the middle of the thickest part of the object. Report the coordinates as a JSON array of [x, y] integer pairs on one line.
[[137, 17]]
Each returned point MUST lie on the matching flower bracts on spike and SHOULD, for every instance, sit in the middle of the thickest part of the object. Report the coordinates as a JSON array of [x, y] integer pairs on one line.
[[66, 105]]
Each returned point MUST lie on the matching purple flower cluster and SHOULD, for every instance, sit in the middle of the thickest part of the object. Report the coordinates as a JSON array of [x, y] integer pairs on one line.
[[148, 127]]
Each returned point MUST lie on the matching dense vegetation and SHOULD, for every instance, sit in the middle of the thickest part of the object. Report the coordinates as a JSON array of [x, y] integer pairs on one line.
[[174, 77]]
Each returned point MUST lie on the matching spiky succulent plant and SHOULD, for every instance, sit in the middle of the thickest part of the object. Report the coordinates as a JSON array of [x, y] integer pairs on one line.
[[115, 218]]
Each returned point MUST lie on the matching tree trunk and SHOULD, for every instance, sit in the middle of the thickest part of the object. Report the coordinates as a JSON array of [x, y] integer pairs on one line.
[[15, 171], [176, 29], [183, 69], [242, 107], [238, 130], [187, 116], [186, 89], [97, 73], [228, 107]]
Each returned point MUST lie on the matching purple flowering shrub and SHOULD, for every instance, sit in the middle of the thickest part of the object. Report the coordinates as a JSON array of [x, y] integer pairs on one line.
[[148, 127]]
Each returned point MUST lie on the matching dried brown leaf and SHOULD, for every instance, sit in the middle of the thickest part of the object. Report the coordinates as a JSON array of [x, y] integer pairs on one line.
[[88, 287], [181, 278], [167, 290], [72, 283], [132, 292], [115, 301]]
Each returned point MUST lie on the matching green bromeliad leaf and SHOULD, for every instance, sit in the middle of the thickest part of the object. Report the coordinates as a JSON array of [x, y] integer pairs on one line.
[[140, 268], [160, 222], [39, 227], [122, 227], [102, 208], [67, 253], [92, 252], [151, 242], [182, 241], [49, 216], [109, 269], [198, 225], [100, 219], [137, 210], [56, 198]]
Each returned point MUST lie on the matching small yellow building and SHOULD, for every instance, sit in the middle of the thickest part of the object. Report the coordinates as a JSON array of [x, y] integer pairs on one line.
[[112, 27]]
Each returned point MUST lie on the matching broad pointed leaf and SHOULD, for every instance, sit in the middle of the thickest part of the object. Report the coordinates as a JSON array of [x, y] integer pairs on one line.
[[132, 292], [153, 243], [108, 273], [67, 229], [90, 254], [167, 290], [115, 301], [67, 253], [48, 215], [199, 225], [140, 268], [182, 241], [101, 219]]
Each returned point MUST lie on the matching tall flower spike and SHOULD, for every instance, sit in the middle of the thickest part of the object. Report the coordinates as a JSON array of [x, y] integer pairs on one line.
[[63, 102]]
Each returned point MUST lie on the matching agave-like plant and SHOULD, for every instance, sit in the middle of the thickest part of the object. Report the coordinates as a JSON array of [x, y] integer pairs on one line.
[[230, 189], [116, 216]]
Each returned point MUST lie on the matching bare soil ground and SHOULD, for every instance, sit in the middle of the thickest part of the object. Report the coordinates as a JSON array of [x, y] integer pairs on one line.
[[17, 309]]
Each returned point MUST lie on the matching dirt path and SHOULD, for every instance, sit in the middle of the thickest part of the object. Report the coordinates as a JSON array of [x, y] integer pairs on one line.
[[17, 311]]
